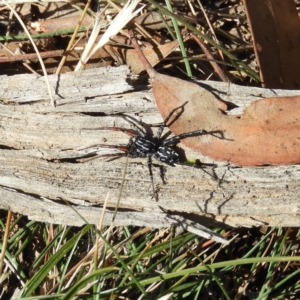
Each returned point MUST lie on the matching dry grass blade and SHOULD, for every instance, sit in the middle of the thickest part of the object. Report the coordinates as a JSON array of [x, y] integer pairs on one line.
[[123, 17], [5, 240], [73, 36]]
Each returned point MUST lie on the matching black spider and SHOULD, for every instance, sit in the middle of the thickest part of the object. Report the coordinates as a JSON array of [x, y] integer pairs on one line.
[[143, 145]]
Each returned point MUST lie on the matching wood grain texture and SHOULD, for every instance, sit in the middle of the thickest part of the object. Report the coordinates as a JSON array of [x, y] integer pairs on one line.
[[38, 145]]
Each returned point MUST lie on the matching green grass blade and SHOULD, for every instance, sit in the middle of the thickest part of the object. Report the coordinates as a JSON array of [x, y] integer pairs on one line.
[[180, 40], [39, 276]]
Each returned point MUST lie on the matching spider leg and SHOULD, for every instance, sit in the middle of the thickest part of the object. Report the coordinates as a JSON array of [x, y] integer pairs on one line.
[[130, 132], [118, 147], [160, 130], [133, 123], [177, 138], [149, 163]]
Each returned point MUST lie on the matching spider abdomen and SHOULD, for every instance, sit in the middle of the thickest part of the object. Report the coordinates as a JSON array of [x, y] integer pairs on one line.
[[166, 155]]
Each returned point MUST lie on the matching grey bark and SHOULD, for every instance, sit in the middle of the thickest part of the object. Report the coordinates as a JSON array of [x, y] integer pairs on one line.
[[38, 145]]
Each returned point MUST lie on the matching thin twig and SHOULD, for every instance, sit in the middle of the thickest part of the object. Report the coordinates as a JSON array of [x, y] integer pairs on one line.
[[210, 57], [211, 28], [21, 57]]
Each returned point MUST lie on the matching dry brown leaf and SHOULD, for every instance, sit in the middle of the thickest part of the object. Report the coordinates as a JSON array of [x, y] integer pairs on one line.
[[268, 132]]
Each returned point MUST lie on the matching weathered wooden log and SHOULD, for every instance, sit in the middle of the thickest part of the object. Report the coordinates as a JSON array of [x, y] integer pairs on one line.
[[39, 145]]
